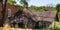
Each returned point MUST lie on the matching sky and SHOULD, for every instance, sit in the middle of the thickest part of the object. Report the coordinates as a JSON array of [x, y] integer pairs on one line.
[[42, 2]]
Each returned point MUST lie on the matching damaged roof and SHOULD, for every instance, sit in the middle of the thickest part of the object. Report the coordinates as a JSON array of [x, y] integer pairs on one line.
[[49, 15]]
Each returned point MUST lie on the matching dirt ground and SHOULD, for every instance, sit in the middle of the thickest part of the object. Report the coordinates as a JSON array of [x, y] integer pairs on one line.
[[13, 29]]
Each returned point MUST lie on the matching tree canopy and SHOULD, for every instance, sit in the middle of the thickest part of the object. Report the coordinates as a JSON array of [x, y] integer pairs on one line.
[[58, 7], [24, 3], [42, 8], [11, 2]]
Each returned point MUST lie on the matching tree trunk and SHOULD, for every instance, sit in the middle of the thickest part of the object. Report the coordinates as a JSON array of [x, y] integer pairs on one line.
[[57, 16], [3, 12]]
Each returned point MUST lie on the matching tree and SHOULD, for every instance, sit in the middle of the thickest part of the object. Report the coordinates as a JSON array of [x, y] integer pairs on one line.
[[1, 0], [3, 13], [58, 10], [11, 2], [58, 7], [35, 7], [24, 3]]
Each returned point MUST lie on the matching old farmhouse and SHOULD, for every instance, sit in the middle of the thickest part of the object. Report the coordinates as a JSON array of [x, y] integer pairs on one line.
[[28, 18]]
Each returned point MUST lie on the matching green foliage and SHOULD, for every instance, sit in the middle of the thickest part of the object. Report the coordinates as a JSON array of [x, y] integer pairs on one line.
[[11, 2], [41, 8], [24, 3], [35, 8], [49, 29], [59, 15], [58, 7]]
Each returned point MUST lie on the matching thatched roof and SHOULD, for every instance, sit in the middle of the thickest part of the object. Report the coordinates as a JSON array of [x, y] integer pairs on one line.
[[49, 15], [46, 15], [36, 16]]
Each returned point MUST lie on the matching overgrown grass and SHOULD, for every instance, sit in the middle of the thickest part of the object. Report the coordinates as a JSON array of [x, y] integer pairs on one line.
[[49, 29]]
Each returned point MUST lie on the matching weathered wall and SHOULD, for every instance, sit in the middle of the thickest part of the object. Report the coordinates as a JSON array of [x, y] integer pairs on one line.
[[13, 8]]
